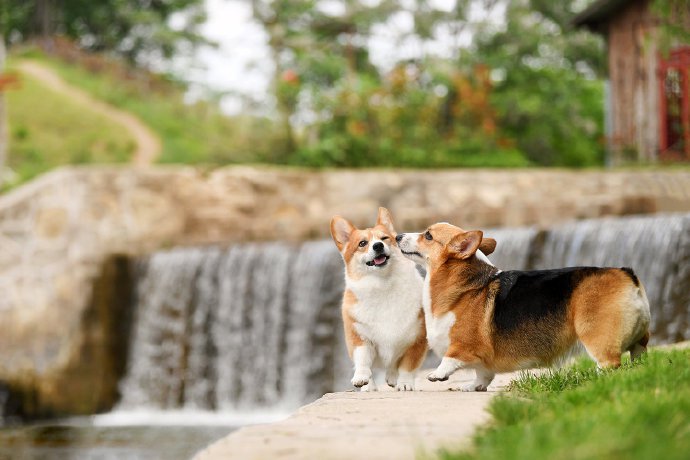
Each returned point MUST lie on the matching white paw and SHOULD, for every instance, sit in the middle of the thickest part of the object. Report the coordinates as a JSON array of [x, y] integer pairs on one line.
[[392, 379], [405, 386], [475, 386], [368, 388], [361, 378], [436, 376]]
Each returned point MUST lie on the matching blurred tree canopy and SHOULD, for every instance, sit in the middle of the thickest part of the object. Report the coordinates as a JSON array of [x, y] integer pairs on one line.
[[467, 82], [526, 90], [131, 28]]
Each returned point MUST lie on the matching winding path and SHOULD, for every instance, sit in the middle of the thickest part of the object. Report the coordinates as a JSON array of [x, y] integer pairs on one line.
[[148, 144]]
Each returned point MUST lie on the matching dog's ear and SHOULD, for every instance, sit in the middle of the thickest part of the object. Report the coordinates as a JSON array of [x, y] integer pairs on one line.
[[386, 220], [341, 229], [464, 245], [487, 246]]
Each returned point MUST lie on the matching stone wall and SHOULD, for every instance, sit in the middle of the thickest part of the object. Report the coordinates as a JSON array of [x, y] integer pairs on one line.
[[60, 316]]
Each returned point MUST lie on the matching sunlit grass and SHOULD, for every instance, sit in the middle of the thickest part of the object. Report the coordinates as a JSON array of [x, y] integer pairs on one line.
[[47, 130], [190, 134], [639, 411]]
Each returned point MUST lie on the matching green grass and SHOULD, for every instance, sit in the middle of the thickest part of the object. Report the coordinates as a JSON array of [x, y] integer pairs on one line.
[[640, 411], [47, 130], [191, 134]]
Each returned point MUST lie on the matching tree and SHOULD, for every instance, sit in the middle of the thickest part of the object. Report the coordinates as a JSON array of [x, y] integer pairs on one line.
[[547, 94], [313, 49], [135, 29], [674, 16]]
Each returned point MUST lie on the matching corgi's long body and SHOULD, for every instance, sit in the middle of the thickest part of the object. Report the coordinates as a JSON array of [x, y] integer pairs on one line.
[[492, 321], [382, 304]]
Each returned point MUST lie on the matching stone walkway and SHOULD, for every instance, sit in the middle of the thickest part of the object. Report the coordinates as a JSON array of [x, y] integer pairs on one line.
[[379, 425]]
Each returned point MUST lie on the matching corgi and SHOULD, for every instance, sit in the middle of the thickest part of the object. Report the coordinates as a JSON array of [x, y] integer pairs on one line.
[[494, 321], [382, 304]]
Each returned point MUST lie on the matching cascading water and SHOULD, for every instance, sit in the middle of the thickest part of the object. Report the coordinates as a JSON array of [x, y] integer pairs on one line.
[[258, 325]]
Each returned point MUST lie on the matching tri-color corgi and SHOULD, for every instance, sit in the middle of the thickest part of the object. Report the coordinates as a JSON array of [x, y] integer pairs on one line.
[[493, 321], [382, 304]]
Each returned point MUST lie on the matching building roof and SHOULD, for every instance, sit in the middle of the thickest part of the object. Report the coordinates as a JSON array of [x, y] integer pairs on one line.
[[598, 14]]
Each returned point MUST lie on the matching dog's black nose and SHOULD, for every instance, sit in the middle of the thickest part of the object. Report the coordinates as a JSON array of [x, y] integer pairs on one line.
[[399, 237], [378, 247]]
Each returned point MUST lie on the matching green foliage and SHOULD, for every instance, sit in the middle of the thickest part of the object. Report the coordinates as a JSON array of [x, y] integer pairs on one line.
[[191, 134], [548, 99], [526, 94], [431, 111], [674, 18], [47, 130], [135, 29], [639, 411]]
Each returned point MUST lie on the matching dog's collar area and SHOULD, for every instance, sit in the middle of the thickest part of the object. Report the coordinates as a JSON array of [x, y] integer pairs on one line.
[[378, 261]]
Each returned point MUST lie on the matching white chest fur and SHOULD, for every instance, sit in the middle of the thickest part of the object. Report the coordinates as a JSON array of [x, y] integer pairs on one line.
[[387, 309], [437, 328]]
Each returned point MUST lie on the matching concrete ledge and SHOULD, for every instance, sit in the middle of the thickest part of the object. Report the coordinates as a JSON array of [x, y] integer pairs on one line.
[[379, 425]]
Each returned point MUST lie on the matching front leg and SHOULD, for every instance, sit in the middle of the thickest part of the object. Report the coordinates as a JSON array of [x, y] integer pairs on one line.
[[445, 369], [363, 357]]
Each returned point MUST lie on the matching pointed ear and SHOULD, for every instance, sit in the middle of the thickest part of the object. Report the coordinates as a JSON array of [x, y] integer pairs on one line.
[[487, 246], [464, 245], [341, 229], [385, 219]]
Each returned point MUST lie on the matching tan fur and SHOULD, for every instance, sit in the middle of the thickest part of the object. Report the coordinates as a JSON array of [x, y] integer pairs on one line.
[[352, 338], [415, 354]]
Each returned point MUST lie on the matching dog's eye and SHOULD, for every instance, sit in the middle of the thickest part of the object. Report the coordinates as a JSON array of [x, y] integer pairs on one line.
[[384, 238], [363, 243], [427, 235]]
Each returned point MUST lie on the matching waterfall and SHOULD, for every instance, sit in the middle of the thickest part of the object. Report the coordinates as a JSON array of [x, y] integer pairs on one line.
[[258, 325], [255, 325]]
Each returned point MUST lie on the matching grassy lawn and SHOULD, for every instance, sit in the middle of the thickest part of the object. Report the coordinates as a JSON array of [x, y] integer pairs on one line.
[[640, 411], [48, 130], [191, 134]]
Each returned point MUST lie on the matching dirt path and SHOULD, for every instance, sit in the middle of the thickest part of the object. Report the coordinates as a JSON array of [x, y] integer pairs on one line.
[[148, 144], [373, 426]]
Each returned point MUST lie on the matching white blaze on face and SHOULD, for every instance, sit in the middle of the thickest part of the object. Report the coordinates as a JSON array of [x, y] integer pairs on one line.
[[377, 259], [408, 246]]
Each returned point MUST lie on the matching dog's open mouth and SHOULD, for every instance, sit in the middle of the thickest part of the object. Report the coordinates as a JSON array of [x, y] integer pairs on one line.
[[378, 261], [414, 253]]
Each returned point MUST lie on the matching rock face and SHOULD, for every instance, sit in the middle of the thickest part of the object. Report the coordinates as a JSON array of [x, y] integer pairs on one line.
[[65, 239]]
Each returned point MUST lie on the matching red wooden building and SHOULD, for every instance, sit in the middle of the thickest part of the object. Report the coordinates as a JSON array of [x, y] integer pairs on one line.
[[648, 102]]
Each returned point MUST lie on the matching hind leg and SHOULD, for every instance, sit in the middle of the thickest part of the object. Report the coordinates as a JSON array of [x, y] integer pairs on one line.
[[392, 376], [639, 348], [603, 348], [606, 356], [636, 351]]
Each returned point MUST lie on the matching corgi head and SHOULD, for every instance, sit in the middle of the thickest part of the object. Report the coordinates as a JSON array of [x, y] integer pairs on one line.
[[444, 241], [365, 251]]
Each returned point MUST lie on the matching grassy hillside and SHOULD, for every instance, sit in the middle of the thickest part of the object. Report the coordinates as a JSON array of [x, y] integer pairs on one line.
[[640, 411], [48, 130], [191, 134]]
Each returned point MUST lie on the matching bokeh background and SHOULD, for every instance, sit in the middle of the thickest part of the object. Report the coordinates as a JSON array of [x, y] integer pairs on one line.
[[169, 169]]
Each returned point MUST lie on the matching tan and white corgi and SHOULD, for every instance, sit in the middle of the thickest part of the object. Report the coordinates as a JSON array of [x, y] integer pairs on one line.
[[493, 321], [382, 304]]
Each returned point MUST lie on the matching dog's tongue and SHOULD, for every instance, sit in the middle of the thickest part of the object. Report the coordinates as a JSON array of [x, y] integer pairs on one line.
[[379, 260]]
